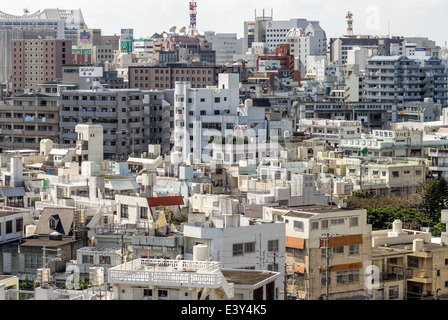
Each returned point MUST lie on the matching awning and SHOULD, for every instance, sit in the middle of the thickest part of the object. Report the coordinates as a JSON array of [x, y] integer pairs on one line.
[[165, 201], [296, 243]]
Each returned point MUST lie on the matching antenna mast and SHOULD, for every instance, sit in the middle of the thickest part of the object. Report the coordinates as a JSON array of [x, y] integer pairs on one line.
[[193, 31]]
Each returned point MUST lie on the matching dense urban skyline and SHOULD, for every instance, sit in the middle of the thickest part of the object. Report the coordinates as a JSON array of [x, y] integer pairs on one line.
[[401, 18]]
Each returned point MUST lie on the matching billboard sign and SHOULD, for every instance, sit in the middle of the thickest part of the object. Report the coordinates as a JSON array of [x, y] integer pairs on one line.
[[90, 71], [84, 36], [126, 46]]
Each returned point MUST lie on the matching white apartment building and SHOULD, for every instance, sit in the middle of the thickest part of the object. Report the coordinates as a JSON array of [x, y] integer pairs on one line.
[[159, 279], [239, 243], [11, 225], [202, 113]]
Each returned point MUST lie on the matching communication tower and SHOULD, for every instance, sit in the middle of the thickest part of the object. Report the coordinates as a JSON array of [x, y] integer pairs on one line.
[[349, 17], [193, 31]]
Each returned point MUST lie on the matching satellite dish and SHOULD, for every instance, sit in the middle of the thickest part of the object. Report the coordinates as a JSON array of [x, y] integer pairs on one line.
[[182, 30], [130, 248], [173, 29]]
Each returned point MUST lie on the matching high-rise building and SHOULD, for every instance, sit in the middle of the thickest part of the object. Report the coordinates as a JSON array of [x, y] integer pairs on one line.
[[38, 61], [65, 23], [202, 113]]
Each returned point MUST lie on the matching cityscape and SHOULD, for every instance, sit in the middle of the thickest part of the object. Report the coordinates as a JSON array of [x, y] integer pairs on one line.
[[294, 161]]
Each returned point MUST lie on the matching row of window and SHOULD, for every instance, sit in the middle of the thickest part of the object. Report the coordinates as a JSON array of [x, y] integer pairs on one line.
[[9, 226], [324, 224]]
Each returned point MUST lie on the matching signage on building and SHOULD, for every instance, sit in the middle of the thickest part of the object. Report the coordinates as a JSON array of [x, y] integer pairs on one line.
[[70, 70], [393, 134], [82, 51], [84, 36], [90, 72], [126, 46]]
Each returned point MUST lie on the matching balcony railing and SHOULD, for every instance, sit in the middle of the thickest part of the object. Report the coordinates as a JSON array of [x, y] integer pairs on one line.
[[189, 273]]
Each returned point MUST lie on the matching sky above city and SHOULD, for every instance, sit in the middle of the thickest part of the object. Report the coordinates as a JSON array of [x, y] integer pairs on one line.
[[377, 17]]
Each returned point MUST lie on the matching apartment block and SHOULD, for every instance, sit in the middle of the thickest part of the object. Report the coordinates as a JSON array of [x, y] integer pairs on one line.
[[161, 78], [27, 119], [119, 111], [38, 61], [405, 78], [327, 250]]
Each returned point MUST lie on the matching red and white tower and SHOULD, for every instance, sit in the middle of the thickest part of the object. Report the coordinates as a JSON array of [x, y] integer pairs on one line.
[[192, 28], [349, 18]]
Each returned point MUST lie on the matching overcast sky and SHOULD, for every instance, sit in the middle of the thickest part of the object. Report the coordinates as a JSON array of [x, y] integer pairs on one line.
[[426, 18]]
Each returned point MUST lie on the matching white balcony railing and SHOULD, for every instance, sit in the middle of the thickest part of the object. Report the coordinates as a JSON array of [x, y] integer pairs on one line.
[[186, 273]]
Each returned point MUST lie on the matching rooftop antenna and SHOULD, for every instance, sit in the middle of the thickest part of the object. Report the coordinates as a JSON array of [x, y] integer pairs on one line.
[[349, 18], [193, 12]]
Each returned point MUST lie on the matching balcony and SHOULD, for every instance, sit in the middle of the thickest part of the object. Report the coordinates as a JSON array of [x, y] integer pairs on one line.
[[175, 273]]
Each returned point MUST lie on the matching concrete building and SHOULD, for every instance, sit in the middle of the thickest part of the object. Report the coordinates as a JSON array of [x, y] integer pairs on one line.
[[201, 113], [159, 117], [339, 47], [408, 264], [172, 280], [7, 35], [420, 77], [225, 45], [161, 78], [64, 22], [239, 243], [318, 237], [38, 61], [27, 119], [308, 41], [373, 115], [119, 111], [331, 130]]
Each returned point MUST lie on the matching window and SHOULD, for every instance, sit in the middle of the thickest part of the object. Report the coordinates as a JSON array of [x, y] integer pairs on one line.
[[143, 213], [87, 258], [337, 221], [298, 225], [393, 292], [413, 262], [395, 174], [33, 261], [163, 294], [19, 225], [338, 249], [273, 245], [147, 293], [353, 222], [124, 211], [104, 260], [353, 249], [249, 247], [314, 225], [8, 226], [238, 249]]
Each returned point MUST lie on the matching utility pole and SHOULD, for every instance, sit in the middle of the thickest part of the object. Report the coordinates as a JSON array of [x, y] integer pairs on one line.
[[326, 240]]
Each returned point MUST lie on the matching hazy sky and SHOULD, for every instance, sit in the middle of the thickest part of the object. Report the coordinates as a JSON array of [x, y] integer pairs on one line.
[[428, 18]]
